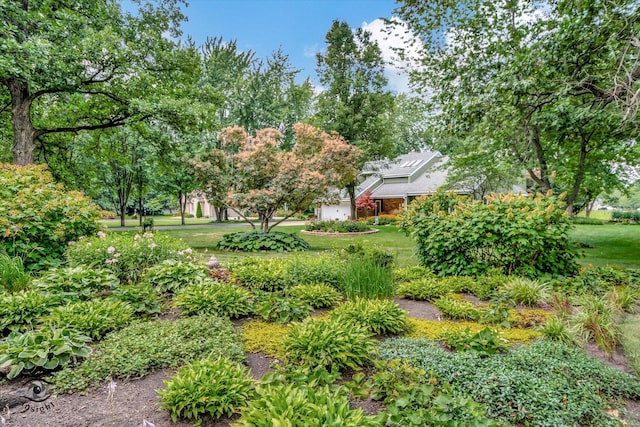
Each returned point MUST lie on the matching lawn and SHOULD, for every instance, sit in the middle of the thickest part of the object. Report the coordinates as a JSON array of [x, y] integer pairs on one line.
[[609, 244], [157, 220]]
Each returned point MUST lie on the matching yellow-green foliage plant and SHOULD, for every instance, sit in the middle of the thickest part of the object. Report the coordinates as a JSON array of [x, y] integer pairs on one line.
[[434, 329], [39, 217], [426, 289], [380, 317], [453, 306], [318, 296], [266, 337]]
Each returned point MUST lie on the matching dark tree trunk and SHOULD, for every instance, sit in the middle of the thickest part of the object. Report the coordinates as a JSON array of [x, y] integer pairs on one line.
[[351, 189], [182, 201], [24, 134]]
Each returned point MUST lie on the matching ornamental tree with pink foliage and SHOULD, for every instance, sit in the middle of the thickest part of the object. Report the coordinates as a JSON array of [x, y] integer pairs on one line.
[[252, 174]]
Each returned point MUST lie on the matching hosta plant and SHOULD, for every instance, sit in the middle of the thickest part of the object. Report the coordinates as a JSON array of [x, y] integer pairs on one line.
[[456, 307], [409, 274], [81, 282], [254, 241], [332, 343], [276, 307], [425, 289], [94, 318], [214, 298], [142, 297], [380, 317], [172, 275], [318, 296], [217, 388], [271, 274], [23, 310], [44, 349]]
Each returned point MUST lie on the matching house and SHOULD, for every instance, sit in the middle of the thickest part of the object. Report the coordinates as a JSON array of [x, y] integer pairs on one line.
[[395, 184]]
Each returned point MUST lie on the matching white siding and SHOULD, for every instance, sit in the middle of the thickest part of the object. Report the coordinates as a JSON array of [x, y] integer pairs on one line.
[[339, 212]]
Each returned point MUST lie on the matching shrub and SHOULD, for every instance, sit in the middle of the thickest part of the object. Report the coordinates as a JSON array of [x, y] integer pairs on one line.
[[380, 317], [207, 387], [332, 344], [541, 384], [125, 255], [80, 282], [276, 307], [94, 318], [302, 405], [335, 226], [13, 275], [39, 217], [526, 235], [456, 308], [364, 278], [262, 274], [43, 349], [171, 275], [318, 296], [219, 299], [198, 211], [143, 347], [586, 221], [626, 216], [253, 241], [525, 291], [24, 310], [142, 298]]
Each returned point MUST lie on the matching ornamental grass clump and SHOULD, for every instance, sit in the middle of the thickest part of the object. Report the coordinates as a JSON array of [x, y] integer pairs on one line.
[[522, 290], [365, 278], [14, 277], [215, 388]]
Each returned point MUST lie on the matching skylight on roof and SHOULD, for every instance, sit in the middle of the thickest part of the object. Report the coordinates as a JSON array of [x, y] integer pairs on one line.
[[410, 163]]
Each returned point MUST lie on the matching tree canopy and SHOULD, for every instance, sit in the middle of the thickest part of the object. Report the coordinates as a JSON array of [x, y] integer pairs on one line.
[[547, 87]]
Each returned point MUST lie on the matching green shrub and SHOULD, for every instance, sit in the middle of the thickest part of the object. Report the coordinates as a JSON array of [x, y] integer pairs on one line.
[[13, 275], [427, 289], [586, 221], [171, 275], [364, 278], [198, 211], [142, 347], [94, 318], [142, 298], [276, 307], [43, 349], [495, 314], [377, 256], [335, 226], [379, 317], [412, 273], [542, 384], [302, 405], [253, 241], [217, 388], [484, 342], [24, 310], [310, 270], [526, 235], [126, 255], [525, 291], [80, 282], [213, 298], [271, 274], [39, 217], [626, 216], [318, 296], [332, 343], [456, 308]]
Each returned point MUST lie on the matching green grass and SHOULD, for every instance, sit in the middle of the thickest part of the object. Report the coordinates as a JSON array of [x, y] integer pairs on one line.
[[610, 244], [157, 220], [597, 214], [389, 237]]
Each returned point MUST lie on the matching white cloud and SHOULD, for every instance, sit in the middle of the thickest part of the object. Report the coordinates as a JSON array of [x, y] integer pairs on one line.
[[390, 39], [311, 51]]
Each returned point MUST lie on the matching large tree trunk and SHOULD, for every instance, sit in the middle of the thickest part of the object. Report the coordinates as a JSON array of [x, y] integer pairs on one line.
[[24, 134], [182, 201], [351, 189]]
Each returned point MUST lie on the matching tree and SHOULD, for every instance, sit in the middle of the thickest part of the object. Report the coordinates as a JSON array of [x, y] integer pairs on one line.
[[254, 174], [355, 103], [86, 65], [546, 85], [365, 202]]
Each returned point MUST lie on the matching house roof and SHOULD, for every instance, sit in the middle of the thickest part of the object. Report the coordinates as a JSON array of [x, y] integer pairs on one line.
[[411, 174]]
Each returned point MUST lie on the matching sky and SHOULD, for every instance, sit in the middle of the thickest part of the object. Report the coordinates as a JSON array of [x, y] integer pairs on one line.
[[298, 27]]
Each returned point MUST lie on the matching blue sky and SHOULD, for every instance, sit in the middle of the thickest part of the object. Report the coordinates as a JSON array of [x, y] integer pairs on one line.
[[296, 26]]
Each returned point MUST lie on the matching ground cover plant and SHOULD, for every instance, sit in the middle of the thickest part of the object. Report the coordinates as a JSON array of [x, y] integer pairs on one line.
[[144, 346], [541, 384]]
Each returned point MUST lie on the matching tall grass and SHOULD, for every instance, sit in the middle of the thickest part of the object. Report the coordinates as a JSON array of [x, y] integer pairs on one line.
[[13, 276], [630, 340], [363, 278]]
